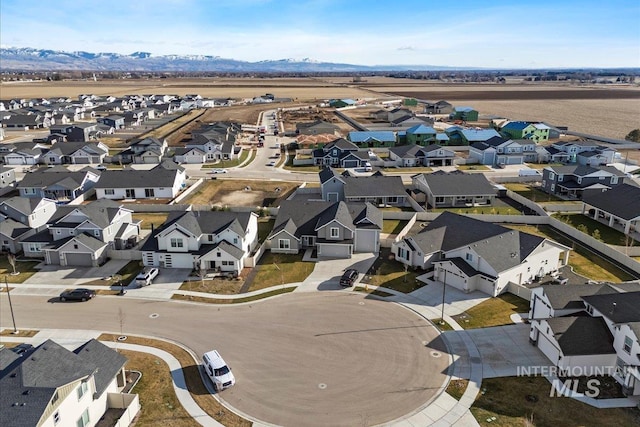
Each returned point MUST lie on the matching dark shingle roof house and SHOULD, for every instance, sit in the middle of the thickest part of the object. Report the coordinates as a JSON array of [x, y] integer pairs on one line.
[[622, 201], [582, 335], [619, 307]]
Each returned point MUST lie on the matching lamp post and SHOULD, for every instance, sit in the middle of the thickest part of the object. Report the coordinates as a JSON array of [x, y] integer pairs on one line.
[[13, 319], [444, 288]]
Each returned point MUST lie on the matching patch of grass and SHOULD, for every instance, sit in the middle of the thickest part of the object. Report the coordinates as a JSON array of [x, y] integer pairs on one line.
[[392, 275], [148, 219], [215, 286], [608, 235], [534, 193], [582, 260], [252, 155], [234, 300], [506, 400], [231, 163], [493, 312], [442, 325], [126, 273], [28, 333], [372, 291], [25, 268], [456, 388], [264, 228], [473, 168], [157, 396], [417, 169], [393, 226], [303, 168], [278, 269], [542, 165]]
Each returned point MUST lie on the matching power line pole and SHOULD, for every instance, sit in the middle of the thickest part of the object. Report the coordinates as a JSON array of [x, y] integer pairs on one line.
[[13, 319]]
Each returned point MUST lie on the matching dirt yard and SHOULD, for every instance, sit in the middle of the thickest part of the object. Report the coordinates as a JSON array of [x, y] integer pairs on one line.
[[290, 118], [241, 193]]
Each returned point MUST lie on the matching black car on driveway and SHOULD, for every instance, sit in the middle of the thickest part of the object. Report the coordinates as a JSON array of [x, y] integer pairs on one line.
[[348, 278], [80, 294]]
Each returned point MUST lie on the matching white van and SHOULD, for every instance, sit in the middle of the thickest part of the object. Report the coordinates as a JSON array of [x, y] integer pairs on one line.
[[218, 371], [146, 276]]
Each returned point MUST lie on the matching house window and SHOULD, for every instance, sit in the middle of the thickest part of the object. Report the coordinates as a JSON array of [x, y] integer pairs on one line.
[[210, 237], [229, 263], [334, 232], [75, 246], [620, 367], [469, 257], [551, 175], [219, 254], [96, 233], [392, 199], [614, 179], [84, 419], [235, 240], [149, 192], [109, 191], [82, 389], [284, 244], [56, 418], [439, 199], [627, 345], [176, 243]]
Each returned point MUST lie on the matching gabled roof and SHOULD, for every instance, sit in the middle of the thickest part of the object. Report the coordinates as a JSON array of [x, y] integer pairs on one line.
[[516, 125], [99, 212], [583, 170], [458, 184], [13, 229], [129, 178], [45, 177], [622, 201], [24, 205], [327, 173], [374, 186], [421, 130], [582, 335], [86, 240], [336, 212], [341, 144], [619, 307], [570, 297], [363, 136]]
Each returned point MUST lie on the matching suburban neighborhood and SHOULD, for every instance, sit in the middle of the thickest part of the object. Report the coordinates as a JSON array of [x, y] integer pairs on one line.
[[515, 243]]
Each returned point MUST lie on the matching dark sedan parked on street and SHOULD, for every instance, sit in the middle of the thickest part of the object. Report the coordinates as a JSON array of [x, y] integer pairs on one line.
[[80, 294]]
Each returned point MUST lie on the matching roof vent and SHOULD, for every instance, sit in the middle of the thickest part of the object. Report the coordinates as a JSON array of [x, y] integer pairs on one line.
[[26, 392]]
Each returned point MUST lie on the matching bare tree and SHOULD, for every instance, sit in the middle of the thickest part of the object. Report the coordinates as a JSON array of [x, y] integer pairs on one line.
[[12, 261], [202, 274]]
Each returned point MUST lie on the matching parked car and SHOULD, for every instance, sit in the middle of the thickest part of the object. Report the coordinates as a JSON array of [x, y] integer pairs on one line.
[[218, 171], [22, 348], [79, 294], [146, 276], [271, 164], [101, 168], [348, 278], [218, 371]]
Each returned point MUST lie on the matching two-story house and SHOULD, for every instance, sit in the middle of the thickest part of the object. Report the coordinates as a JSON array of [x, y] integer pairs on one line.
[[57, 183], [340, 153], [439, 107], [619, 208], [578, 181], [460, 136], [537, 132], [591, 329], [471, 254], [76, 153], [32, 212], [333, 229], [421, 134], [7, 177], [164, 181], [75, 132], [209, 145], [50, 385], [416, 155], [147, 150], [455, 189], [466, 114], [586, 153], [210, 240], [114, 121]]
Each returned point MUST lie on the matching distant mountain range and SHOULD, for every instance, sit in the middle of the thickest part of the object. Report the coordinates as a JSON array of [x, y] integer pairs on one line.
[[30, 59]]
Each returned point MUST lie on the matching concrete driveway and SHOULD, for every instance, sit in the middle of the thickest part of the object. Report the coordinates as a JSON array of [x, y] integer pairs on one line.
[[73, 276], [167, 281], [327, 272], [502, 349]]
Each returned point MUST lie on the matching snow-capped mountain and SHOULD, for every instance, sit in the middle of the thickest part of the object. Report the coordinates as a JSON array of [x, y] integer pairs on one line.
[[27, 58]]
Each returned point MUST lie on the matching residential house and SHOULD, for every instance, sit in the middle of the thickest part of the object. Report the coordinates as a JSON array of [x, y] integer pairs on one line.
[[619, 208], [7, 177], [500, 151], [377, 189], [465, 114], [163, 181], [459, 136], [591, 328], [217, 140], [24, 121], [334, 229], [440, 107], [398, 113], [587, 153], [210, 240], [52, 386], [415, 155], [114, 121], [23, 154], [32, 212], [341, 103], [578, 181], [538, 132], [147, 150], [421, 135], [471, 254], [316, 128], [455, 189], [408, 122], [368, 139], [76, 132], [57, 183], [340, 153], [12, 232], [80, 235], [76, 153]]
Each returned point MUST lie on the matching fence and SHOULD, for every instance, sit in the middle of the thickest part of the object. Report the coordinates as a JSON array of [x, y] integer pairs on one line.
[[519, 290], [129, 402], [158, 208], [252, 261], [125, 254], [84, 196], [187, 192]]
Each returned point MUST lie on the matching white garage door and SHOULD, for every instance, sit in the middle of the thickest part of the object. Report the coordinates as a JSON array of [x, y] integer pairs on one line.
[[549, 350], [351, 163], [73, 258], [334, 251], [366, 241]]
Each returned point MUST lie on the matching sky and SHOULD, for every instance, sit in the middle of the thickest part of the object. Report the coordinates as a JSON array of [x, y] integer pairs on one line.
[[461, 33]]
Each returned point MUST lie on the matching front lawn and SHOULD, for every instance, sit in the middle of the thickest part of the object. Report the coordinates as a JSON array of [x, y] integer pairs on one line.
[[525, 401], [493, 312], [25, 269], [278, 269], [214, 286], [392, 275], [126, 275], [473, 168], [589, 226], [231, 163]]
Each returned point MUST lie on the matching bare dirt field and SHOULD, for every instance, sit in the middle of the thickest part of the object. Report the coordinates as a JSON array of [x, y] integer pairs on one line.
[[241, 193], [290, 118]]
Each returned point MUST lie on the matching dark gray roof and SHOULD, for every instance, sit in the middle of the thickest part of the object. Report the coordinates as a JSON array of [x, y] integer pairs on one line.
[[622, 201], [582, 335], [374, 186], [68, 148], [341, 144], [100, 212], [565, 297], [89, 241], [619, 307], [327, 173], [153, 178], [24, 205], [583, 170], [12, 228], [32, 380], [406, 151], [44, 178], [458, 184]]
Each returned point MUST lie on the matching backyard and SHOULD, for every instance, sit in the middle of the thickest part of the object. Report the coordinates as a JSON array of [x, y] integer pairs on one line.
[[150, 220], [241, 193], [597, 229]]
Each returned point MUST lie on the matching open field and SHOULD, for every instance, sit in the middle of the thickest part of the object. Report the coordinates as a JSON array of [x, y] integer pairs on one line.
[[241, 193]]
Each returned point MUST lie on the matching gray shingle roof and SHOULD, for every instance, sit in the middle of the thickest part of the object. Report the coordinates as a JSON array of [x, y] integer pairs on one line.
[[100, 212], [619, 307], [562, 297], [622, 201], [458, 184], [582, 335], [374, 186], [24, 205], [13, 229], [43, 178], [129, 178]]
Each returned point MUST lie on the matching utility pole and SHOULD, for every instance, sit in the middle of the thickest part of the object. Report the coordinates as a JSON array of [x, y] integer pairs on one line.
[[13, 319], [444, 288]]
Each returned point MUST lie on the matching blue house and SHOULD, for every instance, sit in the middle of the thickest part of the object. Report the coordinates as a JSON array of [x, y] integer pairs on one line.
[[373, 138]]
